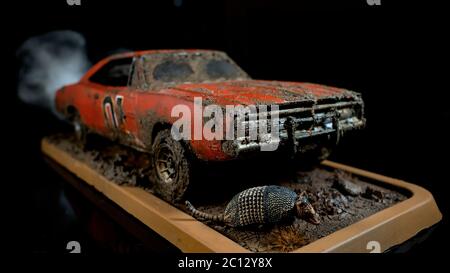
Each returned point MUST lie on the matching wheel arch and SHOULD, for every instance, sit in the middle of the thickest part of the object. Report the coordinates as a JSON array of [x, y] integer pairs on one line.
[[71, 112]]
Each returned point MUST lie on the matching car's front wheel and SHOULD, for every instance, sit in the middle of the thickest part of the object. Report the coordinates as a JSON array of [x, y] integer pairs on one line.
[[312, 155], [170, 168]]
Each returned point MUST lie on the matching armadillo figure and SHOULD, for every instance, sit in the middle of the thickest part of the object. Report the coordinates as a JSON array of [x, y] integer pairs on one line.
[[262, 205]]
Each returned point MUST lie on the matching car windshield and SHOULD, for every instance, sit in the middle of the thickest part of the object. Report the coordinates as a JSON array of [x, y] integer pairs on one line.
[[185, 67]]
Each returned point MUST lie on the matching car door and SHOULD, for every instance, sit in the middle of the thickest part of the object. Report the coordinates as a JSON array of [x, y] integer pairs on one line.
[[114, 100]]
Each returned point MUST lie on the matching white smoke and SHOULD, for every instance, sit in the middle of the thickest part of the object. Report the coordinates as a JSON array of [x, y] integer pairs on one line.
[[48, 62]]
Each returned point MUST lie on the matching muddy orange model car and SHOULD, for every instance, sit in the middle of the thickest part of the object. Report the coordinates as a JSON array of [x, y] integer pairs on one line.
[[130, 97]]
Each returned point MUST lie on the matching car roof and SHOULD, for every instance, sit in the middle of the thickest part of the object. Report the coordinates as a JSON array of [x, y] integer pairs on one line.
[[141, 53], [158, 51]]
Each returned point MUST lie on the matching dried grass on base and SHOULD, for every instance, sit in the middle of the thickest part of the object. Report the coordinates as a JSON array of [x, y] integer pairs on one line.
[[285, 239]]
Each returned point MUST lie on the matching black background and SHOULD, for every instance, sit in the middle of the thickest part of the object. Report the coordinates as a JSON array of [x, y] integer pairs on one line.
[[394, 55]]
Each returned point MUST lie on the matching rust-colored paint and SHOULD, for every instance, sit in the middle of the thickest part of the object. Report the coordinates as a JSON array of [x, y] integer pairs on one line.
[[143, 108]]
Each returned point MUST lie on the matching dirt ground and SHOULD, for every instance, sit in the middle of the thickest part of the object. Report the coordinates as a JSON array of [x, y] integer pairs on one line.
[[340, 198]]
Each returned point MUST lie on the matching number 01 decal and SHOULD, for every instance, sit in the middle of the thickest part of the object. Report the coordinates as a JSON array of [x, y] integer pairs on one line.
[[113, 111]]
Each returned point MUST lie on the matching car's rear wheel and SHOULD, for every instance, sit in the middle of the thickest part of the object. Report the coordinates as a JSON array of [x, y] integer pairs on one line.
[[170, 168], [80, 130]]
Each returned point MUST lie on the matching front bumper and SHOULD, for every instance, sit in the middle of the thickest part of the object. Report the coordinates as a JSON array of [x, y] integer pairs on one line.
[[296, 126]]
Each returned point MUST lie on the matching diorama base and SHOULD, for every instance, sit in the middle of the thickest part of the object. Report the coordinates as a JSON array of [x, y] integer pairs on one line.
[[378, 232]]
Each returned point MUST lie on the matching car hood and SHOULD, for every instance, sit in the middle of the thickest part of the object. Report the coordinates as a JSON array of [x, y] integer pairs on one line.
[[257, 92]]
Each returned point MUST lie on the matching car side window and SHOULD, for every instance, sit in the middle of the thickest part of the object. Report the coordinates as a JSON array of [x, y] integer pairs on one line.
[[114, 73]]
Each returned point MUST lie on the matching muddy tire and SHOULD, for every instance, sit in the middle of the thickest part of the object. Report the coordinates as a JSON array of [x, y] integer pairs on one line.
[[312, 158], [170, 168], [318, 155]]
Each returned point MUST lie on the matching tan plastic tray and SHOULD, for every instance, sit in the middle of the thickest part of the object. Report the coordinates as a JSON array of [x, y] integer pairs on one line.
[[387, 228]]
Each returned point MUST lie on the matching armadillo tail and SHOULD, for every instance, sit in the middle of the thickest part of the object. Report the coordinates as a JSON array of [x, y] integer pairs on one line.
[[203, 215]]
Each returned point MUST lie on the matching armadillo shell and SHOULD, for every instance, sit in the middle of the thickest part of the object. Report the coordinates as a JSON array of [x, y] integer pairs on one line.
[[260, 205]]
